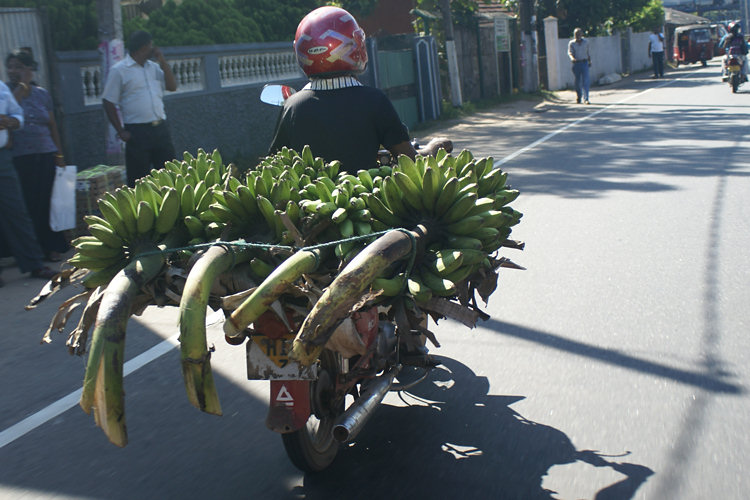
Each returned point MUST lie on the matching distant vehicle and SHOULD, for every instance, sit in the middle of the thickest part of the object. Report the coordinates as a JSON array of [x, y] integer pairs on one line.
[[693, 43], [718, 31]]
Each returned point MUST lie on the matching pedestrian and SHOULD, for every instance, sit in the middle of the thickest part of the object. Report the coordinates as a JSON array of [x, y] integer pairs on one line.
[[137, 84], [656, 52], [36, 149], [337, 116], [15, 223], [578, 51]]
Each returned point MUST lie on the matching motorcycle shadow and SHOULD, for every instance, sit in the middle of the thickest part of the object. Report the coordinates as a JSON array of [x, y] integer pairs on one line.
[[454, 439]]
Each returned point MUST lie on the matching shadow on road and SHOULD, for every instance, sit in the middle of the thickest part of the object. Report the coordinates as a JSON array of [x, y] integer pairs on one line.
[[451, 438], [713, 381]]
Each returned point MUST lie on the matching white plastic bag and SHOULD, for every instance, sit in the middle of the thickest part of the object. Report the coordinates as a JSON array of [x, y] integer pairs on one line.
[[62, 207]]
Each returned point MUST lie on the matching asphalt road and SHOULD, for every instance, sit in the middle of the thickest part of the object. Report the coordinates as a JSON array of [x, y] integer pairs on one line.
[[615, 366]]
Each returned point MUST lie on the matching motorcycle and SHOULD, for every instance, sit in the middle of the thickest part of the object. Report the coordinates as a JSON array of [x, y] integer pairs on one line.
[[372, 352], [733, 70]]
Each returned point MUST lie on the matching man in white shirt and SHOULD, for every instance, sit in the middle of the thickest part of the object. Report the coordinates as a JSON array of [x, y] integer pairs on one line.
[[656, 52], [136, 85], [578, 52], [16, 227]]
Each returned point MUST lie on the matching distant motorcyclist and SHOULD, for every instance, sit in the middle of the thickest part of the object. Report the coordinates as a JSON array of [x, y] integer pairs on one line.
[[335, 114], [735, 45]]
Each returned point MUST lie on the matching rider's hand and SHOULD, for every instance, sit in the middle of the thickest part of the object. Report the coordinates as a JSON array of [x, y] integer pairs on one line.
[[435, 144]]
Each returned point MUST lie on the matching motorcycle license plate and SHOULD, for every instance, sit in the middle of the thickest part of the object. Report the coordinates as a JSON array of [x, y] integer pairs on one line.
[[734, 69], [269, 359]]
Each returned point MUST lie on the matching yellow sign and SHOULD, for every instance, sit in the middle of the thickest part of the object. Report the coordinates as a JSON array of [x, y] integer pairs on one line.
[[277, 350]]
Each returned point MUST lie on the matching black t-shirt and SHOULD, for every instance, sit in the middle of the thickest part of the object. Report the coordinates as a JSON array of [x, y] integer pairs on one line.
[[347, 124]]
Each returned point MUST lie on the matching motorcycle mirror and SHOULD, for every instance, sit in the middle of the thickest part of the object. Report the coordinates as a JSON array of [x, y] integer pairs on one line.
[[275, 95]]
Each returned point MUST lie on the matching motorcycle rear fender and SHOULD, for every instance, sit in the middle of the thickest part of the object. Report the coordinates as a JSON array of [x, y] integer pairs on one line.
[[289, 407]]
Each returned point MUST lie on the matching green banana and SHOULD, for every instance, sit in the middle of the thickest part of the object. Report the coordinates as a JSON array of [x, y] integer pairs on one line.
[[466, 226], [168, 212], [106, 235], [439, 286], [460, 208], [391, 286], [421, 292], [412, 195], [446, 197], [146, 217]]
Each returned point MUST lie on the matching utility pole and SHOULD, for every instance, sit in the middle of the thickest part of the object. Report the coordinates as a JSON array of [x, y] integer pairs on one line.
[[529, 62], [450, 52], [111, 49]]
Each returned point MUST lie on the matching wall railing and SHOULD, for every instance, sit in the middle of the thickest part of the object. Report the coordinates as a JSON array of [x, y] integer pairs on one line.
[[200, 68]]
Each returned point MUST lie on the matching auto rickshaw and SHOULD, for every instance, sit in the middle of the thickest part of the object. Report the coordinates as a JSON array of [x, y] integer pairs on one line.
[[693, 43]]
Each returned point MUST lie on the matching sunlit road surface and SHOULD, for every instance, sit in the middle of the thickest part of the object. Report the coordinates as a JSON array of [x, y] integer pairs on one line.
[[615, 366]]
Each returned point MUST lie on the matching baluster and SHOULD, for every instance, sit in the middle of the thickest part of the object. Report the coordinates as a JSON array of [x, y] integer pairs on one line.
[[265, 69], [97, 83], [237, 73], [275, 66], [244, 68], [253, 74]]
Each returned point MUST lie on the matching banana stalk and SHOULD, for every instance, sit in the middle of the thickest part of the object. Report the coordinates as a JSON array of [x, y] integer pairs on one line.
[[196, 358], [103, 385], [303, 261], [346, 290]]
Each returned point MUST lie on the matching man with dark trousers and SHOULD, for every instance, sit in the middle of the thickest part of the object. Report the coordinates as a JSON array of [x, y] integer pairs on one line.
[[136, 85]]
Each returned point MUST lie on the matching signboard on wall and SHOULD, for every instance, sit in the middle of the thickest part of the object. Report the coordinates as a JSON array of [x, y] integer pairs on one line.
[[502, 34]]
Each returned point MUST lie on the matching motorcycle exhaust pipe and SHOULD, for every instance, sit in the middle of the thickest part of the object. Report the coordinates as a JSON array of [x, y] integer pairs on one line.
[[349, 424]]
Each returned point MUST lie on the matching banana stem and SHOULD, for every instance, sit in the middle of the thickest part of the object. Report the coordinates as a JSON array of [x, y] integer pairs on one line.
[[196, 358], [103, 385], [303, 261], [346, 290]]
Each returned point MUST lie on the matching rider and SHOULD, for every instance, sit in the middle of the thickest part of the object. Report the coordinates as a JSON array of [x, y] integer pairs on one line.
[[734, 44], [335, 114]]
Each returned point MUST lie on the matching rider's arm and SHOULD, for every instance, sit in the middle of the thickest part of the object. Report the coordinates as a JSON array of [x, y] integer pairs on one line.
[[432, 147]]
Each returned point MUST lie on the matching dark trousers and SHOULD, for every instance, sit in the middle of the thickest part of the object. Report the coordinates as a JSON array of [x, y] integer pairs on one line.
[[15, 223], [36, 172], [149, 147], [658, 58]]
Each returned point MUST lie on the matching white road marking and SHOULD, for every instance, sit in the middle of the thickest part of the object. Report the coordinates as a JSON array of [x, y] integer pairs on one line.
[[66, 403], [549, 136]]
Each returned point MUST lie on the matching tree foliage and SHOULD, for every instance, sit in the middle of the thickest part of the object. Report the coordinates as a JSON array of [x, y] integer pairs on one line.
[[596, 16], [196, 22], [651, 16]]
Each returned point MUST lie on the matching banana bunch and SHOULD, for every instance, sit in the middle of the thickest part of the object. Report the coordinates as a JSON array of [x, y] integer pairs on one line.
[[146, 214], [464, 203]]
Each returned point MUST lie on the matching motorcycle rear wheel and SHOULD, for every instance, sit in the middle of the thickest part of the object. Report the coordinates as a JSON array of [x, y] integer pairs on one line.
[[313, 448], [735, 82]]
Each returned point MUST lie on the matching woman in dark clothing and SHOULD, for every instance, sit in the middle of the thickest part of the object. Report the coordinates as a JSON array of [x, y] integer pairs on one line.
[[36, 149]]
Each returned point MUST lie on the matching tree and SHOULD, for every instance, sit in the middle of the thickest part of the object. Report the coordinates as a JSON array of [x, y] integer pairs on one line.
[[649, 17], [593, 16], [196, 22]]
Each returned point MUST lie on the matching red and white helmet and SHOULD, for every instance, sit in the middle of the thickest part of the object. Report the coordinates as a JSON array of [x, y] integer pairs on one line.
[[329, 42]]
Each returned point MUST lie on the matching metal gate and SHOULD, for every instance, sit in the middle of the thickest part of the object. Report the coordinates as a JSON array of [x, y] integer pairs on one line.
[[20, 27], [405, 68]]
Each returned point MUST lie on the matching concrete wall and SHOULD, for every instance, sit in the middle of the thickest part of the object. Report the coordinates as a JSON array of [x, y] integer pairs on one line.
[[605, 59], [612, 54], [639, 59]]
